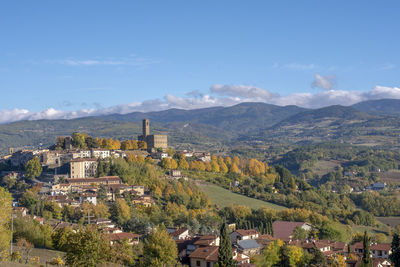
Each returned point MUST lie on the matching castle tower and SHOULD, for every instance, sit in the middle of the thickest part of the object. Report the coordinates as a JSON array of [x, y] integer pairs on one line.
[[146, 127]]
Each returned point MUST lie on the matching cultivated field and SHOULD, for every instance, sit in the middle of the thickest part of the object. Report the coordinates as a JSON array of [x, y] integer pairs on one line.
[[390, 176], [222, 197], [392, 221], [322, 167]]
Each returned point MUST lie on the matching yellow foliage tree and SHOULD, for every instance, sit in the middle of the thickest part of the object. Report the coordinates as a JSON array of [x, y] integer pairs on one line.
[[183, 164], [214, 166], [222, 167], [234, 168]]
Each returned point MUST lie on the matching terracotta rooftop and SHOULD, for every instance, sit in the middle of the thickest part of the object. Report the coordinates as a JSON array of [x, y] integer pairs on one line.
[[207, 253], [83, 159], [121, 236], [179, 231], [206, 240], [243, 232], [99, 179], [383, 246], [284, 230]]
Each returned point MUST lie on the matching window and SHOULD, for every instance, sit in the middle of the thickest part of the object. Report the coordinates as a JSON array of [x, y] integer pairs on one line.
[[208, 264], [197, 263]]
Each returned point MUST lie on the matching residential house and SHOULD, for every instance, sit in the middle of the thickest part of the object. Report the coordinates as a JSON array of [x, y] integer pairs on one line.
[[249, 247], [382, 250], [21, 211], [208, 257], [145, 200], [284, 230], [179, 234], [100, 153], [207, 240], [88, 196], [241, 234], [132, 239], [106, 180]]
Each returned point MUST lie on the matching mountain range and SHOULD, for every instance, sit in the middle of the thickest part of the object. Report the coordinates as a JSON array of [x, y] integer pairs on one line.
[[375, 122]]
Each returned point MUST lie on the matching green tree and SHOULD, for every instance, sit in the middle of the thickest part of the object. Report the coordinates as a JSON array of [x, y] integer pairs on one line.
[[102, 193], [270, 256], [33, 168], [5, 217], [284, 256], [60, 238], [318, 258], [300, 233], [86, 247], [79, 140], [395, 256], [366, 258], [225, 249], [160, 249]]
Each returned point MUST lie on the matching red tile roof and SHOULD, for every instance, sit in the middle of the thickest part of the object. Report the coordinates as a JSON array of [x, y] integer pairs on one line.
[[284, 230], [179, 231], [243, 232], [209, 253], [383, 247], [206, 240], [84, 159], [121, 236]]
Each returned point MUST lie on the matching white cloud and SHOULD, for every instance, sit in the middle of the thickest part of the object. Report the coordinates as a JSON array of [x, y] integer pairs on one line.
[[324, 82], [219, 95], [245, 91], [295, 66], [298, 66], [131, 60]]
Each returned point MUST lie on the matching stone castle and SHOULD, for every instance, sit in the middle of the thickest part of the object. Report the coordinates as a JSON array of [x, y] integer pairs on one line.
[[154, 141]]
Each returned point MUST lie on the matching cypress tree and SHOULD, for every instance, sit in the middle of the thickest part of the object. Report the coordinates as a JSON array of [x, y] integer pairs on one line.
[[225, 248], [366, 258], [271, 228], [261, 229], [395, 256]]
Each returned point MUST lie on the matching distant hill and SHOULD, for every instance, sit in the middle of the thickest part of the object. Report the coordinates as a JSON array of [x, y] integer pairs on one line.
[[239, 118], [333, 123], [381, 106], [248, 124]]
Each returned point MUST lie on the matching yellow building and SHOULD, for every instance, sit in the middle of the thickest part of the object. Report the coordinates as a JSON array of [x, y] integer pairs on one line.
[[84, 167]]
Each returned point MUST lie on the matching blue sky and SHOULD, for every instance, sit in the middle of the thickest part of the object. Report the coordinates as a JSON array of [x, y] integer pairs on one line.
[[74, 58]]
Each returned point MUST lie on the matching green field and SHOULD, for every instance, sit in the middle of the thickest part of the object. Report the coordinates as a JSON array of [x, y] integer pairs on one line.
[[222, 197]]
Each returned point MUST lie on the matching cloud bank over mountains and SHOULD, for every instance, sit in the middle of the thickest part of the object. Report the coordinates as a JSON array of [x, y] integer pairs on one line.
[[220, 95]]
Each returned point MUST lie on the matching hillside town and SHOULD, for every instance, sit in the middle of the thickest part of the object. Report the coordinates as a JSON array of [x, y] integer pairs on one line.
[[73, 180]]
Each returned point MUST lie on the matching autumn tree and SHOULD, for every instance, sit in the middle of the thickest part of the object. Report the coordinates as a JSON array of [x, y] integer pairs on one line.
[[120, 211], [214, 166], [142, 145], [79, 140], [271, 254], [222, 167], [183, 164], [86, 247], [5, 217], [160, 249], [234, 168], [33, 168]]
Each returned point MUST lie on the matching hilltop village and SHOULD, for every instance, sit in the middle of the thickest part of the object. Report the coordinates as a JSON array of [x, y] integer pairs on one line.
[[132, 194]]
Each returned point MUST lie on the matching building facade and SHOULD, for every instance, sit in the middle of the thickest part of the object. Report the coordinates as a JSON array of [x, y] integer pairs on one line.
[[154, 141], [83, 168]]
